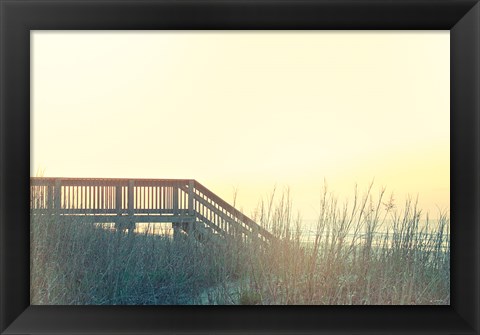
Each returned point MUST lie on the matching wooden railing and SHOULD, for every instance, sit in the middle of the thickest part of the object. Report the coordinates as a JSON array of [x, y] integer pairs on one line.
[[142, 200], [225, 218]]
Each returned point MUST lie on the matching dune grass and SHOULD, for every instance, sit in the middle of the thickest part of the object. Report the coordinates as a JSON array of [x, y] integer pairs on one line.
[[346, 260], [75, 264], [349, 261]]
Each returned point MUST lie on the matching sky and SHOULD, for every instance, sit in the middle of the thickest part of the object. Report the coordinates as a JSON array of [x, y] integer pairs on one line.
[[248, 111]]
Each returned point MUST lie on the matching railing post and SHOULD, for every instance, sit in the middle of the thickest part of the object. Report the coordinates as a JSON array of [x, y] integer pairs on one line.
[[50, 204], [190, 197], [131, 221], [58, 194], [131, 186], [118, 199], [175, 198]]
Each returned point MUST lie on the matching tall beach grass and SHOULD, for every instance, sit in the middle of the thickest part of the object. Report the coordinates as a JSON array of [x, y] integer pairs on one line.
[[366, 252]]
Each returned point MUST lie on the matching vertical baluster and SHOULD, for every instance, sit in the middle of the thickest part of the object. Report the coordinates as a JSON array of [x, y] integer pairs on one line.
[[190, 197], [38, 201], [58, 196], [97, 196], [125, 198], [145, 197], [39, 197], [185, 200], [164, 201], [162, 197], [135, 197], [150, 197], [167, 199], [68, 192], [131, 188], [118, 199], [101, 189], [80, 194], [62, 192]]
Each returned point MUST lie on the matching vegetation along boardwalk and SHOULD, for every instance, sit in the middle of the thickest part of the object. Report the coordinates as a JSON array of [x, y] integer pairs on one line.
[[187, 204]]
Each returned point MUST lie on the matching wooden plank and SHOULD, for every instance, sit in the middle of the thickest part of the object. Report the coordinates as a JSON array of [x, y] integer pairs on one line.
[[115, 218]]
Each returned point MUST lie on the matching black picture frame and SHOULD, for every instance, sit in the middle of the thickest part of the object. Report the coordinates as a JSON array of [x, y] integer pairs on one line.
[[18, 17]]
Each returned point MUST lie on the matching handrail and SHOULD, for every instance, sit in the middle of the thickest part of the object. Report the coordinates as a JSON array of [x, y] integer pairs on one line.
[[233, 211]]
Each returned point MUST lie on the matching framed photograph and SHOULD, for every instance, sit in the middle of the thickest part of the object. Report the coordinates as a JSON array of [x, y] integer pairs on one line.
[[239, 166]]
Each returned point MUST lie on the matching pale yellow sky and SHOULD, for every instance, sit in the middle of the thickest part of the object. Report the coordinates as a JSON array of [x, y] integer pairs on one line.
[[247, 110]]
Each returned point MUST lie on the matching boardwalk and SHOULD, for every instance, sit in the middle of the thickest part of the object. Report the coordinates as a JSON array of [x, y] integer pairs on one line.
[[187, 204]]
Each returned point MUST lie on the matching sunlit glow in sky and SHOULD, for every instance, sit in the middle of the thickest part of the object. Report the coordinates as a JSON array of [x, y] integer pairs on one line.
[[247, 111]]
